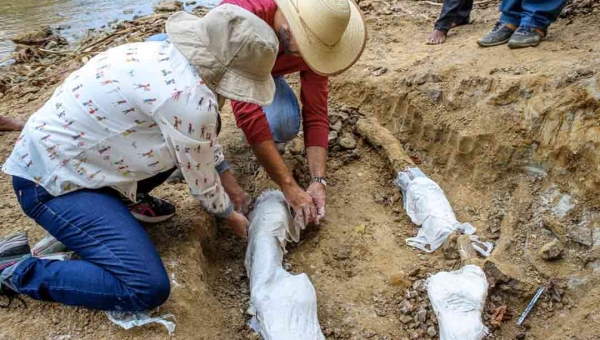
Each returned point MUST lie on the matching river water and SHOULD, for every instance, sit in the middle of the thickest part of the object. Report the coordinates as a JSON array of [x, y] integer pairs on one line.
[[76, 16]]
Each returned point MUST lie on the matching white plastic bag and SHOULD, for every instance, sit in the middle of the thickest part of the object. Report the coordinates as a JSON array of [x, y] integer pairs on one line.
[[427, 206], [128, 320], [284, 305], [458, 298]]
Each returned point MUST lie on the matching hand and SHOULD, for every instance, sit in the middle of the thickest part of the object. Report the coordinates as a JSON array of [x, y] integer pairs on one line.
[[239, 198], [302, 205], [241, 202], [317, 192], [239, 224]]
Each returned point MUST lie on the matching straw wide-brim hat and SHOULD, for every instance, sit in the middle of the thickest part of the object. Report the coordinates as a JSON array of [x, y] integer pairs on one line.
[[331, 34], [225, 46]]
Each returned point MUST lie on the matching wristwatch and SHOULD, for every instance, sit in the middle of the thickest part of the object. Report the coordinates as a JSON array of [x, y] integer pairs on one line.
[[317, 179]]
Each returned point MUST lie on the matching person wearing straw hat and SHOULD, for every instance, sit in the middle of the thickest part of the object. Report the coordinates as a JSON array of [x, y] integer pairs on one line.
[[318, 39], [114, 130]]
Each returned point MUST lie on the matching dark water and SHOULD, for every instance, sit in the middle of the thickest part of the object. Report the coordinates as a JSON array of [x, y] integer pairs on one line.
[[19, 16]]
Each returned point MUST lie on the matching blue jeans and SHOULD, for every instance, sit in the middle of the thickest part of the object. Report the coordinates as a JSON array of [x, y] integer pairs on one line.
[[283, 114], [119, 267], [534, 13]]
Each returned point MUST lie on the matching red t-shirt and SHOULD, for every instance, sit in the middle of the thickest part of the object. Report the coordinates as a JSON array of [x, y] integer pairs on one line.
[[313, 91]]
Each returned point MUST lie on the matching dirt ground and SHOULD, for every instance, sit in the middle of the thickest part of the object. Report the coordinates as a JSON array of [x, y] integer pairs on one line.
[[513, 138]]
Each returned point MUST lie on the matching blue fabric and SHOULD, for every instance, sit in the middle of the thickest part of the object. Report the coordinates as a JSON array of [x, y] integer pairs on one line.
[[158, 37], [283, 114], [534, 13], [221, 168], [119, 267]]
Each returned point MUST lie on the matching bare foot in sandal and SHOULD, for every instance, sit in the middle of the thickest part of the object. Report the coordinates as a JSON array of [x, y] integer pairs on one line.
[[437, 37]]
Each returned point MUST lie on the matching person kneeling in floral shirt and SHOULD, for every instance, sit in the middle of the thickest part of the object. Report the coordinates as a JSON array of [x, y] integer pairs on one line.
[[113, 131]]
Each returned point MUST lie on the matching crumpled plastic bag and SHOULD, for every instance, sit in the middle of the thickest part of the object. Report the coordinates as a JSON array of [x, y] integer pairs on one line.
[[128, 320], [458, 299], [479, 245], [284, 306], [427, 206]]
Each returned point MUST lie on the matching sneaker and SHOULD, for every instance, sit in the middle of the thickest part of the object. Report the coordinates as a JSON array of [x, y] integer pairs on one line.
[[14, 245], [48, 245], [7, 267], [526, 36], [151, 209], [499, 35]]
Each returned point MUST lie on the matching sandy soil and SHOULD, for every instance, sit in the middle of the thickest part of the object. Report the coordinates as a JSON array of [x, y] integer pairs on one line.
[[508, 135]]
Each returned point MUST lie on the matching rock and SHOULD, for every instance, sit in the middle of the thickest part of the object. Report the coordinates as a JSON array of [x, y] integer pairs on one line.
[[520, 336], [405, 319], [337, 126], [332, 138], [190, 3], [369, 333], [36, 37], [379, 198], [582, 235], [348, 142], [343, 114], [419, 285], [342, 253], [296, 146], [431, 331], [422, 315], [171, 6], [252, 336], [406, 307], [411, 294], [379, 71], [366, 6], [551, 251], [414, 272], [435, 95]]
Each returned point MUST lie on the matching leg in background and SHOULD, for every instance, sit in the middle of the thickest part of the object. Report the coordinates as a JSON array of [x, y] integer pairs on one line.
[[283, 114], [512, 11], [541, 13]]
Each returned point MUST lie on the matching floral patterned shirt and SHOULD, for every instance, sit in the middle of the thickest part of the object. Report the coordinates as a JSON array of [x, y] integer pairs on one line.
[[130, 113]]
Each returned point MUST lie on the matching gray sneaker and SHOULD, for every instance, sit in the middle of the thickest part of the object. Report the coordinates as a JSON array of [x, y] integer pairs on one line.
[[48, 245], [14, 245], [499, 35], [525, 36]]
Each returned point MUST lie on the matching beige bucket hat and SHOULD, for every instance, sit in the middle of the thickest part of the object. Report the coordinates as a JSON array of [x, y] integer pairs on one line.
[[233, 50], [331, 34]]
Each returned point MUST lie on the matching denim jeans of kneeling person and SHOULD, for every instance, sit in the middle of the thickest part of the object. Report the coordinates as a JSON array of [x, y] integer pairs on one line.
[[119, 267]]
